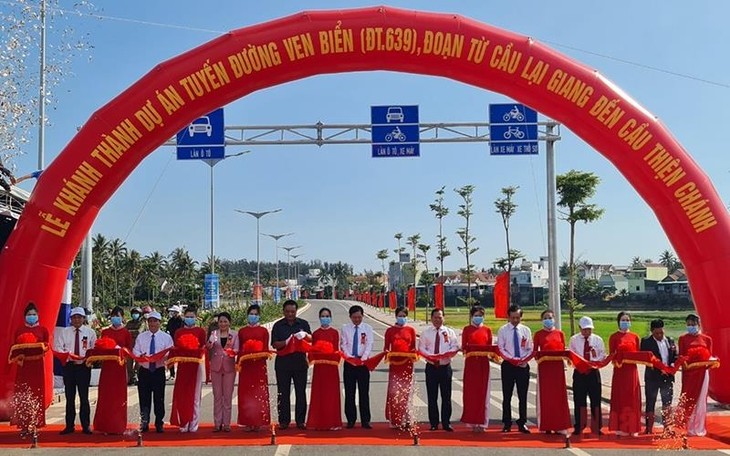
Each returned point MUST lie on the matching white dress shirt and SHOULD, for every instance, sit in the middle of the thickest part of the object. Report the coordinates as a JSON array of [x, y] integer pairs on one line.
[[66, 342], [448, 342], [142, 344], [663, 349], [598, 350], [506, 344], [365, 340]]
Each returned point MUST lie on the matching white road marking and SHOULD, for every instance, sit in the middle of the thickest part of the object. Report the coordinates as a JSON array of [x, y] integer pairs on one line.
[[578, 451], [282, 450]]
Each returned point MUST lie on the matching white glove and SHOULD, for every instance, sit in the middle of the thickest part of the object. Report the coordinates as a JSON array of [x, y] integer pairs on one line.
[[300, 335]]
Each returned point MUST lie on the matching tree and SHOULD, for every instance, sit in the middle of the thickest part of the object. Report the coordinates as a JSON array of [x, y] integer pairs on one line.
[[464, 234], [636, 262], [398, 237], [668, 259], [382, 256], [20, 46], [575, 188], [506, 208], [413, 242], [440, 211]]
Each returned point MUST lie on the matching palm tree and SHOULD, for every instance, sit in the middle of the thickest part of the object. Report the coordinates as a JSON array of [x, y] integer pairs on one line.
[[153, 266], [413, 242], [100, 266], [117, 253], [668, 259], [382, 255]]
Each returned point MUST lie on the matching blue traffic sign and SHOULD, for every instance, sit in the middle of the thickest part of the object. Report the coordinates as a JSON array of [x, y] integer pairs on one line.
[[512, 129], [211, 291], [203, 139], [395, 131]]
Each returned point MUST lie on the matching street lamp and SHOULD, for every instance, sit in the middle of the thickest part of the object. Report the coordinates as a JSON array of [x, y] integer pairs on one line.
[[288, 259], [258, 216], [276, 238], [212, 162], [296, 265]]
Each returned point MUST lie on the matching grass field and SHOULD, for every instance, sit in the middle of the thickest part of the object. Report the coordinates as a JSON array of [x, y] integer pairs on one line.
[[604, 321]]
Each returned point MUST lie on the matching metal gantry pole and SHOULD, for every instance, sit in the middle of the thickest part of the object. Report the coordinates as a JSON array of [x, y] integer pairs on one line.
[[553, 273], [42, 92]]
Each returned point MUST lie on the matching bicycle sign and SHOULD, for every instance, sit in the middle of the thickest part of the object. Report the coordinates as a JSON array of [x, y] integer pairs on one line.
[[395, 131], [512, 129]]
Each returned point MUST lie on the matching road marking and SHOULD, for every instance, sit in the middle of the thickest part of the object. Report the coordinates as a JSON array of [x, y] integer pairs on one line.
[[578, 451], [724, 451], [282, 450]]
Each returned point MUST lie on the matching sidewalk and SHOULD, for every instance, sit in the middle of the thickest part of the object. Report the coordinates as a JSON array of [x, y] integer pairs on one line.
[[713, 407]]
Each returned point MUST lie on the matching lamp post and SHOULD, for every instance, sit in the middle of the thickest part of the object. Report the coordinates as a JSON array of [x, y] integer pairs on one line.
[[288, 260], [258, 216], [276, 238], [212, 162], [296, 265]]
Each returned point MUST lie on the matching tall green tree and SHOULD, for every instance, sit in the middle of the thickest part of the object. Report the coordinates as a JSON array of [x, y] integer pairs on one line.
[[382, 255], [464, 233], [440, 211], [413, 242], [668, 259], [506, 208], [575, 189]]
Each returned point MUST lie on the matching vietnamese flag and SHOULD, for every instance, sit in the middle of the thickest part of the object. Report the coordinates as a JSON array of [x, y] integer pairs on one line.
[[501, 289], [412, 299], [393, 299], [438, 296], [380, 300]]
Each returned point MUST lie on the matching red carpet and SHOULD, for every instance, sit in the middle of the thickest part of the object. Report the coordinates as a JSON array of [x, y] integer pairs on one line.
[[718, 437]]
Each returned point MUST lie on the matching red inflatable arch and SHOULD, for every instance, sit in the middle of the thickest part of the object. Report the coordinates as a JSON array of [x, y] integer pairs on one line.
[[119, 135]]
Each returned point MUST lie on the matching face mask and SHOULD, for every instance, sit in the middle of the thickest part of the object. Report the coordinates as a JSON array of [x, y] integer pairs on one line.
[[477, 320], [253, 319], [116, 321], [135, 316], [31, 319], [693, 330], [189, 321], [549, 323], [401, 320], [325, 321], [624, 325]]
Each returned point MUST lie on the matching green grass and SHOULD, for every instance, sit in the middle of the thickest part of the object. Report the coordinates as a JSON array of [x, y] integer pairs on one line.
[[604, 321]]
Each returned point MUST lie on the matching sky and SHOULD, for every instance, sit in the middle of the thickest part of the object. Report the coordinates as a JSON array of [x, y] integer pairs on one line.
[[343, 205]]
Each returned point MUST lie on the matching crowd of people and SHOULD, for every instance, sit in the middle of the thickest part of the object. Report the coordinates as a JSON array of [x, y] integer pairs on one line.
[[138, 350]]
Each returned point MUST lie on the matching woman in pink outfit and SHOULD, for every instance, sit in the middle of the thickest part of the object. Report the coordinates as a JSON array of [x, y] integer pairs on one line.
[[223, 371]]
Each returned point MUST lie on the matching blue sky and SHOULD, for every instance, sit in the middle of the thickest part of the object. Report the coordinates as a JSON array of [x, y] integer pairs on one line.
[[344, 205]]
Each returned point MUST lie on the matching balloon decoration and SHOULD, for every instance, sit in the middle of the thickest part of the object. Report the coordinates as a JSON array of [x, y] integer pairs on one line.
[[122, 133]]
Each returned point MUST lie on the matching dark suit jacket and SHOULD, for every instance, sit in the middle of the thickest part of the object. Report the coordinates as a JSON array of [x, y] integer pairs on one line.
[[653, 375]]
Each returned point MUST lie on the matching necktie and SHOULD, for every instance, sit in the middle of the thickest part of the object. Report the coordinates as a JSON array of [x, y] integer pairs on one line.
[[516, 340], [587, 350], [437, 343], [77, 352], [152, 352], [355, 342]]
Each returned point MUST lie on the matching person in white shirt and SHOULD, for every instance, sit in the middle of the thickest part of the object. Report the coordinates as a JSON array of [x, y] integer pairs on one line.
[[515, 342], [357, 342], [437, 340], [151, 376], [76, 340], [591, 348]]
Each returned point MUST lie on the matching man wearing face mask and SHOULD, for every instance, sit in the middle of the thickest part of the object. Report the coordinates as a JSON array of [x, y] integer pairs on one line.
[[134, 326], [173, 324], [656, 381], [75, 340], [187, 392]]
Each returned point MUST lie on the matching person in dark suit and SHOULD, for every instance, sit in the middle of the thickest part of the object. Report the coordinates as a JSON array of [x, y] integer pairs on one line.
[[656, 381]]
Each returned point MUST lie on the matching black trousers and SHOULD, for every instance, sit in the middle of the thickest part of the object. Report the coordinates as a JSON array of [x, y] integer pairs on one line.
[[77, 377], [438, 379], [151, 389], [356, 377], [586, 386], [284, 378], [513, 375], [653, 388]]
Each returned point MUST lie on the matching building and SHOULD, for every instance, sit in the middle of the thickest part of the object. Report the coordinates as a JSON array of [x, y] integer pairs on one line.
[[617, 282], [644, 279], [675, 284]]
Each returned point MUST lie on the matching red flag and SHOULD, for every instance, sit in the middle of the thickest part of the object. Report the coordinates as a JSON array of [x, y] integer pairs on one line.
[[380, 300], [412, 299], [393, 300], [500, 295], [438, 296]]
